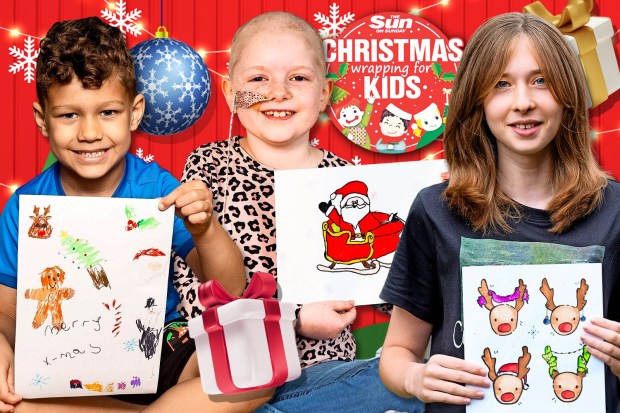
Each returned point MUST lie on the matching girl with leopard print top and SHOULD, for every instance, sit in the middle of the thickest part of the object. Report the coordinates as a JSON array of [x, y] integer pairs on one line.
[[277, 93]]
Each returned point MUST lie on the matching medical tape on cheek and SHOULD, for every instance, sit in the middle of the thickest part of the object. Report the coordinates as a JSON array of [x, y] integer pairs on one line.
[[245, 99]]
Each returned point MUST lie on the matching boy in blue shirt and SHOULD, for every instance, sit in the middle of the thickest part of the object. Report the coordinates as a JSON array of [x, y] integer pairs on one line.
[[87, 107]]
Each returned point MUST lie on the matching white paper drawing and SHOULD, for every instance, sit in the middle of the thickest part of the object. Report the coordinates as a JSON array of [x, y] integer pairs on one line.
[[337, 228], [91, 295], [523, 322]]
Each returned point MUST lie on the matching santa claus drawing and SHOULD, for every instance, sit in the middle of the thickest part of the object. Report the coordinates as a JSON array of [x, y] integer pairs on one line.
[[353, 233]]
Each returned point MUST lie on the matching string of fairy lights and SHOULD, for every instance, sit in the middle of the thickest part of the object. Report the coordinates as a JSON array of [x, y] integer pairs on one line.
[[15, 32]]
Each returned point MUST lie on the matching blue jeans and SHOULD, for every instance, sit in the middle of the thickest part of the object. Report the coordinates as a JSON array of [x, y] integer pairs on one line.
[[339, 387]]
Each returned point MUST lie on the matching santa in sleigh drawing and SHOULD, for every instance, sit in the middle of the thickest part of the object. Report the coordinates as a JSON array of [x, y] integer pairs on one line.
[[354, 234]]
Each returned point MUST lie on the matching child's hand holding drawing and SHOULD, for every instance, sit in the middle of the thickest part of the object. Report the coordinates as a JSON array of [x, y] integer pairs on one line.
[[325, 320], [441, 379], [216, 257], [605, 345], [193, 203], [8, 398]]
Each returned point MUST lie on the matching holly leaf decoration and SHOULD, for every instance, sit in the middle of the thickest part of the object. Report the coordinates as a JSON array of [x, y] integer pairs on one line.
[[344, 68], [448, 77], [436, 67], [332, 76], [338, 94], [129, 212]]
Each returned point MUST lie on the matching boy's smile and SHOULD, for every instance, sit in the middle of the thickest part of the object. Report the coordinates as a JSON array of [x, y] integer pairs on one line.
[[90, 133]]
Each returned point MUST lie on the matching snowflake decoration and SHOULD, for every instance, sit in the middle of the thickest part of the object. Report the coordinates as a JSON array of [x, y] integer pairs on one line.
[[167, 116], [39, 381], [187, 87], [153, 87], [356, 160], [314, 142], [130, 345], [168, 57], [123, 20], [533, 332], [148, 158], [26, 59], [334, 24]]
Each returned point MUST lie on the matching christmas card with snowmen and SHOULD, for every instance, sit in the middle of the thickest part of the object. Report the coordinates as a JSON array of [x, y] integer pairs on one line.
[[91, 295], [338, 228]]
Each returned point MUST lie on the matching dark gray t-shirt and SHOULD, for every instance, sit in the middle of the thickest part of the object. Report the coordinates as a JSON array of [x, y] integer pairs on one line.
[[425, 276]]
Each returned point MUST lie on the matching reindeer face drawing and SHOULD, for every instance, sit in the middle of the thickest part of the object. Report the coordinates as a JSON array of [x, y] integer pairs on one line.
[[511, 379], [503, 317], [41, 227], [564, 319], [567, 386]]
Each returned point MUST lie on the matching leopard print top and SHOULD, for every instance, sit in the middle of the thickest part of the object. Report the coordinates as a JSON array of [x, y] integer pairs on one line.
[[250, 204]]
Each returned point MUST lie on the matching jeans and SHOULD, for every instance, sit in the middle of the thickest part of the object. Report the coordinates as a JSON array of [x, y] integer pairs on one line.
[[339, 387]]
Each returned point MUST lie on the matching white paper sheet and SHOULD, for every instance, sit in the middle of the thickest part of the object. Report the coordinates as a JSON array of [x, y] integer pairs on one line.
[[304, 272], [532, 331], [114, 256]]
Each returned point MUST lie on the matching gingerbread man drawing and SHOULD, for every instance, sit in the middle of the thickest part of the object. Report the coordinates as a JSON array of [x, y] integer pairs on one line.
[[50, 296]]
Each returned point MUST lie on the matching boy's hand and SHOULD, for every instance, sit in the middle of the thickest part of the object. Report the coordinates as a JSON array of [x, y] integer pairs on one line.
[[325, 320], [8, 398], [441, 379], [605, 345], [193, 203]]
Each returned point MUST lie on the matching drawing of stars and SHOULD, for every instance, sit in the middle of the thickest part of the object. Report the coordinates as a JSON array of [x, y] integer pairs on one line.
[[533, 332], [39, 381]]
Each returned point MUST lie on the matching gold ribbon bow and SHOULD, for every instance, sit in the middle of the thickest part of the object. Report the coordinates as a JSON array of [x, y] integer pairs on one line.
[[572, 21]]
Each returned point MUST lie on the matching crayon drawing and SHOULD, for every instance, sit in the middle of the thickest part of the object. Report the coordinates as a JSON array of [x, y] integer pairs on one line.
[[41, 227], [564, 319], [50, 297], [510, 379], [567, 385], [82, 326], [535, 362], [85, 255]]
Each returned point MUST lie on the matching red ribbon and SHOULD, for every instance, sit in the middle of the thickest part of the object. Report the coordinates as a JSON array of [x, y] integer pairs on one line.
[[212, 295]]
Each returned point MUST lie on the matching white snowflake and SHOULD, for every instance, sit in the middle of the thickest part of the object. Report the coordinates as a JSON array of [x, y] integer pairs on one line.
[[167, 116], [168, 57], [140, 154], [153, 86], [334, 24], [314, 142], [356, 160], [140, 55], [123, 20], [26, 59], [186, 87]]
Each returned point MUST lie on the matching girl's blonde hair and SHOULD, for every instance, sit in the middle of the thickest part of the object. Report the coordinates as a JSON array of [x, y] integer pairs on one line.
[[277, 21], [470, 148]]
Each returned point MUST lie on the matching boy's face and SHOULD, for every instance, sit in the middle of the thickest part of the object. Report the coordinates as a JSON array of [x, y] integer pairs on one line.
[[392, 126], [280, 66], [90, 133]]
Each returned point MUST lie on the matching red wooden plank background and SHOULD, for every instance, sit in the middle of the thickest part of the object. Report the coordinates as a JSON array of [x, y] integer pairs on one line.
[[209, 25]]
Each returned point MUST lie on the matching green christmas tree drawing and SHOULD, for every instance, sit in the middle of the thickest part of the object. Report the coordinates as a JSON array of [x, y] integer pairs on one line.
[[87, 256]]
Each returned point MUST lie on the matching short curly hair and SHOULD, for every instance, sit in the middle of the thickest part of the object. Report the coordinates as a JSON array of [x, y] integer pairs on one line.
[[88, 49]]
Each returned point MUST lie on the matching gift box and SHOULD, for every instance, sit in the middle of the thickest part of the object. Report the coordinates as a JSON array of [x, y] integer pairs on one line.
[[590, 38], [603, 31], [244, 343]]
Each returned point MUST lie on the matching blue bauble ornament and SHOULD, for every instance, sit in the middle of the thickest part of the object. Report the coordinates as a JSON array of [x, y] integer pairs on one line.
[[174, 81]]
